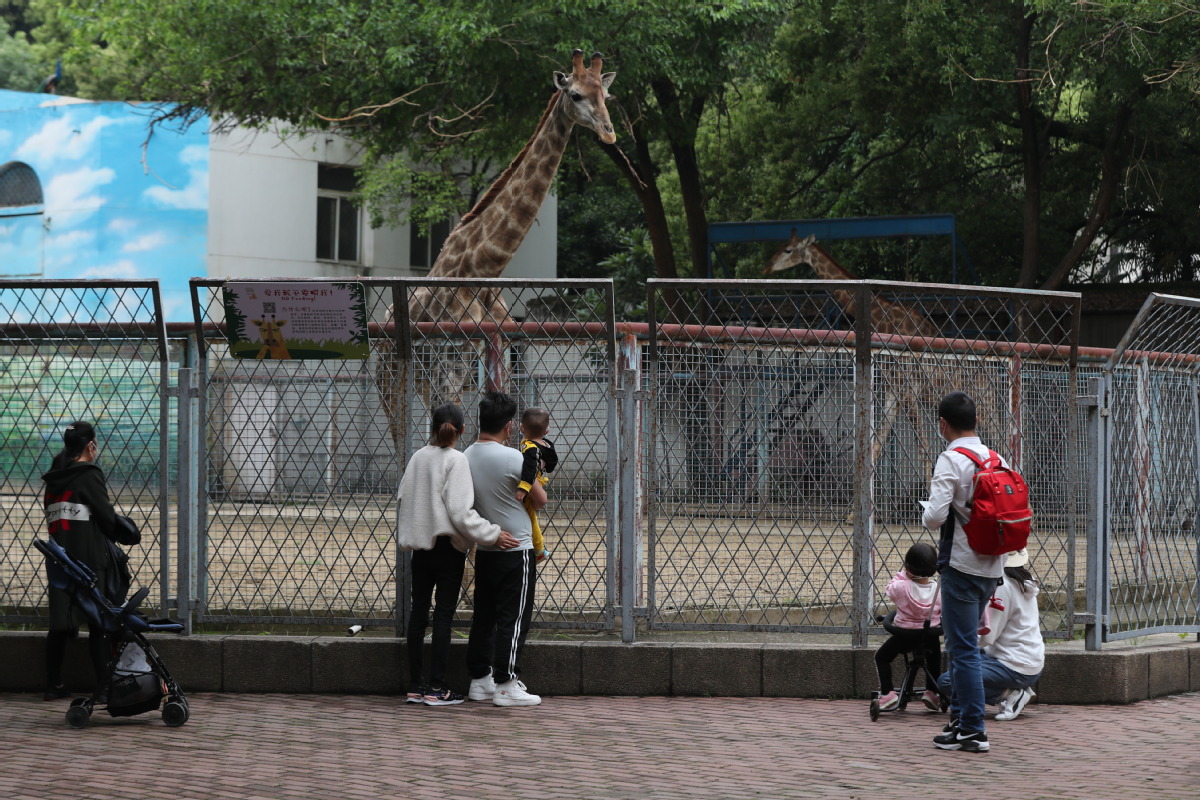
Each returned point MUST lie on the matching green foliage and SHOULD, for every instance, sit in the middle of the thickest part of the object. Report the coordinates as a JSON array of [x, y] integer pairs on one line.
[[913, 108], [20, 68], [595, 212]]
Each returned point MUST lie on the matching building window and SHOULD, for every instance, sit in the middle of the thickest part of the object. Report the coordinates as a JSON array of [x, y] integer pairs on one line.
[[22, 221], [426, 242], [338, 219]]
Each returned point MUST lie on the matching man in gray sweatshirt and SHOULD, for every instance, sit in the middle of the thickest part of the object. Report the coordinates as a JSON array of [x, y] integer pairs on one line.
[[504, 579]]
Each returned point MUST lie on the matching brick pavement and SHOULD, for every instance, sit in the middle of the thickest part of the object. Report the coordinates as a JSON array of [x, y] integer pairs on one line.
[[348, 747]]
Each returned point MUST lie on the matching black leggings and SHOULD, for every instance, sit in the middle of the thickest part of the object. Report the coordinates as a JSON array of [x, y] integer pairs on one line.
[[439, 569], [906, 642], [56, 652]]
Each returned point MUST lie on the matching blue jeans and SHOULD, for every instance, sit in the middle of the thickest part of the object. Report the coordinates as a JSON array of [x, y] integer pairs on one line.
[[997, 679], [963, 600]]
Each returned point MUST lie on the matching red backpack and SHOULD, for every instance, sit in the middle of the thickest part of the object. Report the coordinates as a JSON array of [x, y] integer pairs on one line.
[[1000, 514]]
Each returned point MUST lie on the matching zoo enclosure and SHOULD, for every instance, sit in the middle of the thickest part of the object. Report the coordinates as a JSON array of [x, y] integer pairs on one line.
[[733, 464]]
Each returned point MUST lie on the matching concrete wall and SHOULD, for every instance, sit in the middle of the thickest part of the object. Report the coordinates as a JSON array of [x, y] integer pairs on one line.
[[340, 665]]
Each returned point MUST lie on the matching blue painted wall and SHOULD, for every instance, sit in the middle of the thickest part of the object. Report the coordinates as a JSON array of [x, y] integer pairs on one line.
[[115, 205]]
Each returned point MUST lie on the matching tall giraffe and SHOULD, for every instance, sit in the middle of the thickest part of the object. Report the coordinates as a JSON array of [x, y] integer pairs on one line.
[[485, 239]]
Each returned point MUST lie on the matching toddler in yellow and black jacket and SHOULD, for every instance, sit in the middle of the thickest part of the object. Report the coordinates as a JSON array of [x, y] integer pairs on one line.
[[539, 458]]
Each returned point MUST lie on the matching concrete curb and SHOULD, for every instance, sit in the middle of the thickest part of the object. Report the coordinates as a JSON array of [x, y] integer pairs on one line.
[[338, 665]]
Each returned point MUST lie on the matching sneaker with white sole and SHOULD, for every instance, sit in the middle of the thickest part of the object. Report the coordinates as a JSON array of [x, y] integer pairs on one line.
[[931, 700], [967, 741], [416, 694], [514, 693], [889, 701], [482, 688], [1015, 705]]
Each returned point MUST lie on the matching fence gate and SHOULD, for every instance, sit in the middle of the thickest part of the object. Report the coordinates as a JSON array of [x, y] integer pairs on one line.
[[1144, 571], [302, 456], [789, 439], [94, 351]]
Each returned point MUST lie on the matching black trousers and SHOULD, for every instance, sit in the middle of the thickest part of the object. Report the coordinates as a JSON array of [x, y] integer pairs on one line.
[[56, 651], [907, 642], [438, 570], [504, 586]]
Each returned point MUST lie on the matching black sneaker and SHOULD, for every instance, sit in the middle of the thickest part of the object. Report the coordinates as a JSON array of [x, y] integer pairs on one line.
[[56, 693], [972, 742], [442, 697], [952, 725], [416, 694]]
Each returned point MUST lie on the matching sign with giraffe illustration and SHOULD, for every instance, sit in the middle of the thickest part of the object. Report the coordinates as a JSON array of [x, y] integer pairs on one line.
[[301, 320]]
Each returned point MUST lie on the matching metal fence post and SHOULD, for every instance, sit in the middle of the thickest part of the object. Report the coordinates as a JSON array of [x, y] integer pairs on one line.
[[403, 344], [186, 491], [1097, 539], [629, 397], [1196, 435], [864, 467]]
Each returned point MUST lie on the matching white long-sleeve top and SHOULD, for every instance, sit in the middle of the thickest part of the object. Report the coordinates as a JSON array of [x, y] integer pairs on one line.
[[1015, 639], [949, 490], [437, 499]]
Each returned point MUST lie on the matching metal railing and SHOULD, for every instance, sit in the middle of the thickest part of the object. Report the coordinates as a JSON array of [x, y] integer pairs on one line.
[[303, 457], [789, 439], [748, 459], [1144, 575], [95, 351]]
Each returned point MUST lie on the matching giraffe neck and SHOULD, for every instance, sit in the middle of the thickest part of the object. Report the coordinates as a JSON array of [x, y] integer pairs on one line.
[[830, 270], [489, 234]]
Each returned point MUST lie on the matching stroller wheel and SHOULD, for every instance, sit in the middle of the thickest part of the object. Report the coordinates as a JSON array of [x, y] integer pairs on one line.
[[874, 709], [174, 714], [78, 715]]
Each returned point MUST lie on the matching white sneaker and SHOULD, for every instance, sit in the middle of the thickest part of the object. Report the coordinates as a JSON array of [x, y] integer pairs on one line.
[[513, 693], [482, 688], [1016, 704]]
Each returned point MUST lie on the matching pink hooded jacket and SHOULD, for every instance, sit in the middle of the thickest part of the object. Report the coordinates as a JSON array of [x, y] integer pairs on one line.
[[912, 601]]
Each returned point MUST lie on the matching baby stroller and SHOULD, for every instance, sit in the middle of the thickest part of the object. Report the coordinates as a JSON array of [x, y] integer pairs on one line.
[[137, 680], [913, 650]]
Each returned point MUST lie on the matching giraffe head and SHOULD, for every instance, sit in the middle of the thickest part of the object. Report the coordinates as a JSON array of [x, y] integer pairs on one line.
[[585, 91], [269, 330], [795, 251]]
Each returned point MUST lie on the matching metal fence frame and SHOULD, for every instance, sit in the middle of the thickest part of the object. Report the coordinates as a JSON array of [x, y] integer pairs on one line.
[[419, 350], [701, 311], [118, 319], [627, 357], [1143, 572]]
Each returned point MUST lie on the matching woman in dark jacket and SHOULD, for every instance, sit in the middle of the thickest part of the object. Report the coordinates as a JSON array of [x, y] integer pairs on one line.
[[80, 517]]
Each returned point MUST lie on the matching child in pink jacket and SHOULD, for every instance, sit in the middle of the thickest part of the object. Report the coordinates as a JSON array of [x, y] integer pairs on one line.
[[914, 590]]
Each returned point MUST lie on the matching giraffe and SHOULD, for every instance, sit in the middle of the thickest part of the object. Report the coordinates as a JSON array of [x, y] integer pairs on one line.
[[485, 239], [886, 316], [915, 395]]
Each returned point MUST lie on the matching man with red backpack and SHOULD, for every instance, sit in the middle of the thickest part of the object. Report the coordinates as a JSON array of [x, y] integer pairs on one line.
[[968, 473]]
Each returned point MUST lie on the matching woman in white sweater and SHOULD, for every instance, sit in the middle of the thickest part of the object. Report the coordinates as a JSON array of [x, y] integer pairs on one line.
[[439, 525]]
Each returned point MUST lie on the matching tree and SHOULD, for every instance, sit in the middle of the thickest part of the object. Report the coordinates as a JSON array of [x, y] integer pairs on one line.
[[443, 94], [1002, 114]]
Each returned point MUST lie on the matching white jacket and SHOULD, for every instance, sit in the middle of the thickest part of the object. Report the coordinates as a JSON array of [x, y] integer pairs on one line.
[[1016, 636], [436, 499]]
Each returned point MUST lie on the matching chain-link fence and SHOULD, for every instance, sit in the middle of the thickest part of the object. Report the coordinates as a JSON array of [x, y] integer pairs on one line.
[[95, 351], [790, 437], [750, 459], [1148, 474], [304, 456]]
